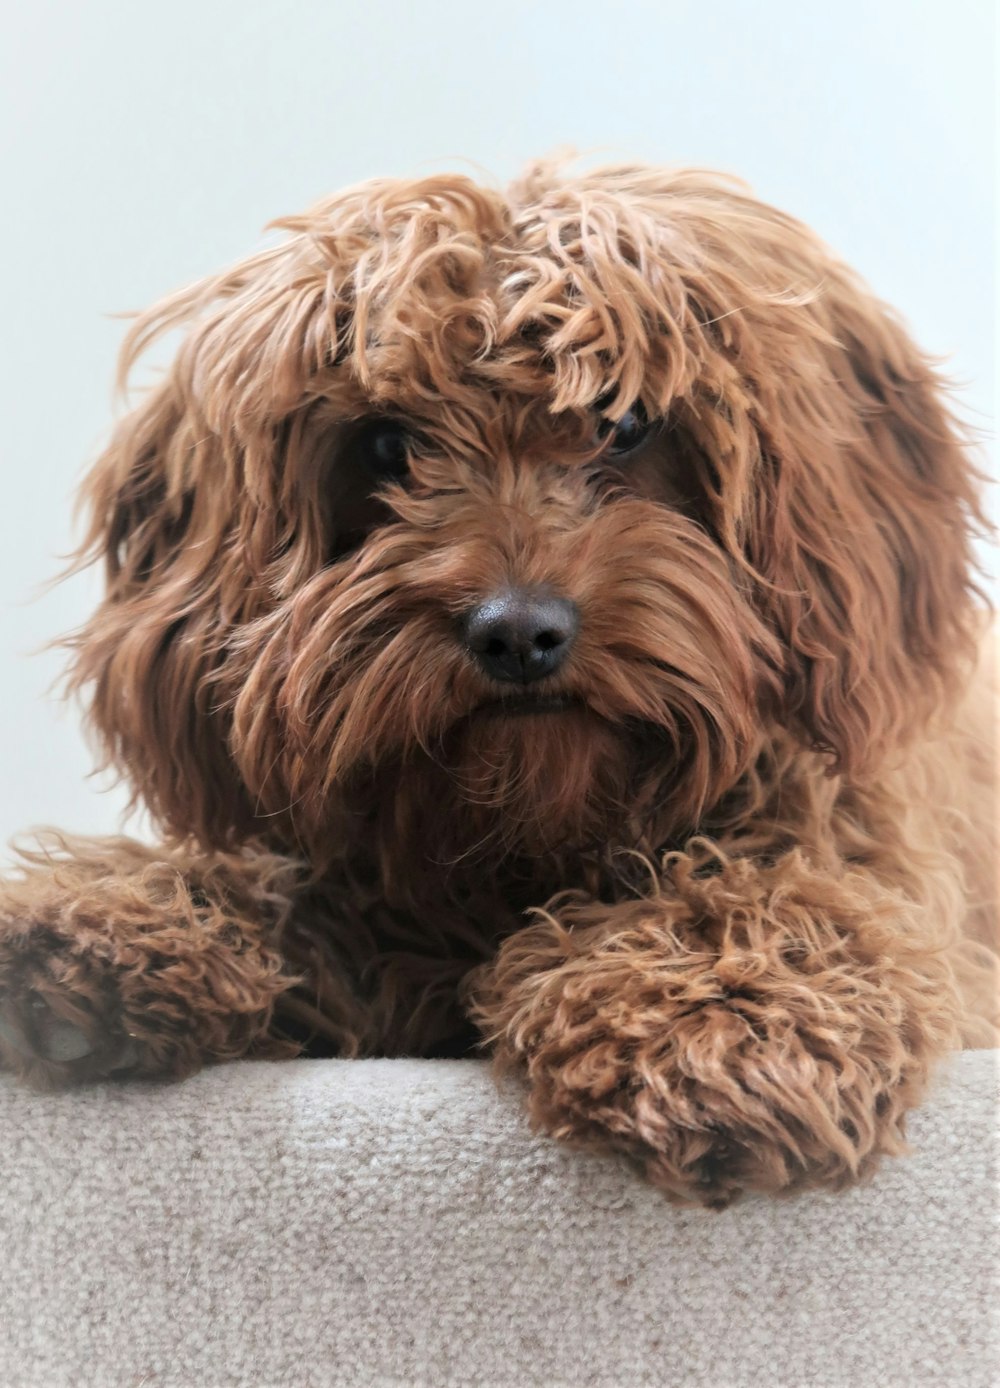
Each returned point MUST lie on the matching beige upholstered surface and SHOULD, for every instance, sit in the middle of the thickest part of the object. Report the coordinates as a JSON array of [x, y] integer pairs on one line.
[[395, 1223]]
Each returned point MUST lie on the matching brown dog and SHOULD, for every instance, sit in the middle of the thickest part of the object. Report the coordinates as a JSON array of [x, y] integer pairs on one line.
[[549, 613]]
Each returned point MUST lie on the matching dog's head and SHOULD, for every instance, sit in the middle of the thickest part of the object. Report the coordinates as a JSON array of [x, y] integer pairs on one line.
[[526, 514]]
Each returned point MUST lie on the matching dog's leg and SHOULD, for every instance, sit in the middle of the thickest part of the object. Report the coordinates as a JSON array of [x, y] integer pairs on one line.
[[117, 957], [748, 1026]]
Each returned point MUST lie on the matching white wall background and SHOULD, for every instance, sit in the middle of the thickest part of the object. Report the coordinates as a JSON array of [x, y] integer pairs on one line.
[[145, 144]]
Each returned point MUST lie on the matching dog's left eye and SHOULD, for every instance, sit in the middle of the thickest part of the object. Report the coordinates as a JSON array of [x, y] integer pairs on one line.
[[385, 447], [627, 434]]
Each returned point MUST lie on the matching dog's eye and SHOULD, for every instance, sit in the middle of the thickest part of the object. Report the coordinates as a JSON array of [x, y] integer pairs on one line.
[[627, 434], [385, 445]]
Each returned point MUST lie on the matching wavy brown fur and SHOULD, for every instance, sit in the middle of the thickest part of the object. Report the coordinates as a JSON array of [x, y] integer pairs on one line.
[[725, 907]]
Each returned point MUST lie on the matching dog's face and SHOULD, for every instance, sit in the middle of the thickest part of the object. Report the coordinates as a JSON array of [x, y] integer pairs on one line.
[[527, 515]]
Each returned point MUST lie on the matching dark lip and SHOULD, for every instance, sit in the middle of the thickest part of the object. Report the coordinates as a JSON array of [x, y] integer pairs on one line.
[[517, 705]]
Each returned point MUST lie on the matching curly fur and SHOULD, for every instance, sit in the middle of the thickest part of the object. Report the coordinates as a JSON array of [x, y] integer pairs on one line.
[[725, 905]]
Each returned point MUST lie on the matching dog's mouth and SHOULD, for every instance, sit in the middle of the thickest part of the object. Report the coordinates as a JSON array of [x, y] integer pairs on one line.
[[520, 705]]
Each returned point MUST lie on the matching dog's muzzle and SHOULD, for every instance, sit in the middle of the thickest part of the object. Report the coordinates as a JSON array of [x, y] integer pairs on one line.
[[521, 635]]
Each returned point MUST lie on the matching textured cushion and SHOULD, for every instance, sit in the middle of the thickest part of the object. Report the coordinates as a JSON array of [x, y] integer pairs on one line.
[[395, 1222]]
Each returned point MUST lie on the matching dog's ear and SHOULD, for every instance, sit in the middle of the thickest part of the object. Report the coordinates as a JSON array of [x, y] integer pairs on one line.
[[859, 525], [188, 512], [145, 659], [816, 443]]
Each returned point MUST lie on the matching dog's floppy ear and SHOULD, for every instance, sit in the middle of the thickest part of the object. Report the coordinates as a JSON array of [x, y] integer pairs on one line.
[[187, 511], [145, 659], [860, 526]]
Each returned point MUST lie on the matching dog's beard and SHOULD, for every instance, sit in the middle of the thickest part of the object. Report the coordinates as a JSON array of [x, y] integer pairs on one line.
[[505, 796], [509, 795], [530, 781]]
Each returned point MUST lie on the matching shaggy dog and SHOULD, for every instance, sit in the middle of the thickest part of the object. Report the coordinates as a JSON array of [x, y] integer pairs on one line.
[[542, 621]]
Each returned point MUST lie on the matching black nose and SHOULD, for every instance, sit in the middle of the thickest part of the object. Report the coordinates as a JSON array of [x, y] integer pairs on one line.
[[521, 635]]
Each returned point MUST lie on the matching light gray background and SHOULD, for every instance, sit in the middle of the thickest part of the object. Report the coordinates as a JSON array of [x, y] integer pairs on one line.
[[145, 144]]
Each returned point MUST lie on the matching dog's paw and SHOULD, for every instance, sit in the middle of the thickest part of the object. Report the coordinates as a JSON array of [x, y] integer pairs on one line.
[[61, 1021], [704, 1145], [761, 1029], [44, 1035], [49, 1051]]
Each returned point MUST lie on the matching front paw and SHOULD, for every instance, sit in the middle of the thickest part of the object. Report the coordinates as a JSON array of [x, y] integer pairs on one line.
[[712, 1109], [716, 1108], [49, 1051], [730, 1037], [60, 1023]]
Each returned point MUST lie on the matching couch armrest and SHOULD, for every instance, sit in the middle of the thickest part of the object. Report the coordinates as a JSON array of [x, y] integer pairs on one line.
[[395, 1222]]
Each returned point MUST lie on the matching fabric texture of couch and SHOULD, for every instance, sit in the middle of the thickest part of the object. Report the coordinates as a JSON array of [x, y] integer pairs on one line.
[[321, 1223]]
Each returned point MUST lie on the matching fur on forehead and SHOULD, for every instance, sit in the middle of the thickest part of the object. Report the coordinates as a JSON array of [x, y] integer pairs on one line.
[[442, 299]]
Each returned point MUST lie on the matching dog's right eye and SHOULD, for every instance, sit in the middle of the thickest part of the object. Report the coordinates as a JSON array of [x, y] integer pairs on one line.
[[385, 447], [375, 454], [629, 432]]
